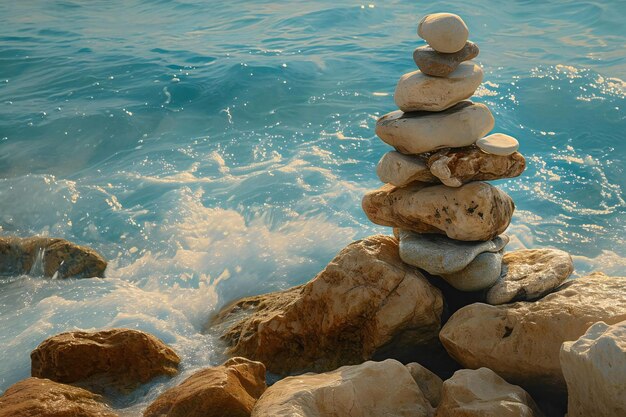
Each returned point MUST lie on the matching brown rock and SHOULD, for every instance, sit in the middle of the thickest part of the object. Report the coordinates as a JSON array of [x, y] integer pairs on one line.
[[34, 397], [120, 358], [475, 211], [521, 341], [49, 256], [230, 390], [439, 64], [429, 383], [363, 299], [458, 166]]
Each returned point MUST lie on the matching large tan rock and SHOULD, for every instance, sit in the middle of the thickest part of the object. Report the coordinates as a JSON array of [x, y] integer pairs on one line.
[[475, 211], [369, 389], [530, 274], [419, 132], [445, 32], [35, 397], [521, 341], [230, 390], [49, 257], [482, 393], [417, 91], [118, 358], [363, 299], [429, 383], [455, 167], [594, 367]]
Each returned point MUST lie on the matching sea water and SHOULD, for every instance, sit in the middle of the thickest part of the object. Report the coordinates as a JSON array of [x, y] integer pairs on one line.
[[213, 150]]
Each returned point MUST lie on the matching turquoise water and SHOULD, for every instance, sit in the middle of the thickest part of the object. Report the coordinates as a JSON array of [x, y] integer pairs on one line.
[[215, 150]]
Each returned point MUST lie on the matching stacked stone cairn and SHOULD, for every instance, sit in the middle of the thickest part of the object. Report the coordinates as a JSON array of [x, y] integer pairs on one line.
[[449, 221]]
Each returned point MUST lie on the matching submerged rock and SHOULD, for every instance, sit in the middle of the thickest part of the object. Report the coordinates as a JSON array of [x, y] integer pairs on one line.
[[481, 273], [230, 390], [594, 367], [437, 254], [418, 132], [455, 166], [417, 91], [369, 389], [121, 359], [429, 383], [399, 169], [482, 393], [445, 32], [35, 397], [475, 211], [363, 299], [49, 257], [521, 341], [530, 274], [438, 64]]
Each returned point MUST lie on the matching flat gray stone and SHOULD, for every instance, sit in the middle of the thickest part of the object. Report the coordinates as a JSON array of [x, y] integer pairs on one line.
[[481, 273], [530, 274], [438, 64], [438, 254]]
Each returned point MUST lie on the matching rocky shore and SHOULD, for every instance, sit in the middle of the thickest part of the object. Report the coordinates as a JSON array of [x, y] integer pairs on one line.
[[435, 319]]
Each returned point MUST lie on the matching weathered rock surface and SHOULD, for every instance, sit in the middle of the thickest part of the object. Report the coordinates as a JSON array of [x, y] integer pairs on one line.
[[482, 393], [437, 254], [363, 299], [438, 64], [594, 367], [498, 144], [230, 390], [445, 32], [49, 256], [419, 132], [369, 389], [454, 167], [429, 383], [35, 397], [521, 341], [118, 358], [530, 274], [481, 273], [399, 169], [417, 91], [475, 211]]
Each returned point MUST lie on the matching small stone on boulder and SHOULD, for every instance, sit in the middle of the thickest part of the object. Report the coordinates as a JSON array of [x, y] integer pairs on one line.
[[364, 299], [445, 32], [475, 211], [35, 397], [530, 274], [369, 389], [482, 393], [417, 91], [399, 169], [438, 64], [480, 274], [230, 390], [498, 144], [121, 359], [49, 257], [418, 132], [429, 383]]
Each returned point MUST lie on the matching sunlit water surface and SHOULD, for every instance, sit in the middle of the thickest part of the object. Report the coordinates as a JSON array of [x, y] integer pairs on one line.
[[212, 150]]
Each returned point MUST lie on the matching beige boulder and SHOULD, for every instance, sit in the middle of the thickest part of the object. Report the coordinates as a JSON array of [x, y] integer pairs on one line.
[[594, 367], [482, 393], [363, 299], [521, 341], [429, 383], [49, 257], [455, 167], [118, 358], [475, 211], [445, 32], [418, 132], [230, 390], [369, 389], [417, 91], [35, 397], [530, 274], [399, 169]]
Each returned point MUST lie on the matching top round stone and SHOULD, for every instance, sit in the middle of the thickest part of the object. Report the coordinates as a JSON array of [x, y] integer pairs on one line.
[[498, 144], [445, 32]]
